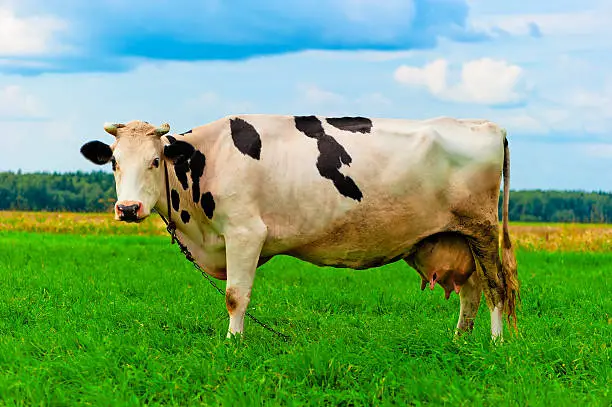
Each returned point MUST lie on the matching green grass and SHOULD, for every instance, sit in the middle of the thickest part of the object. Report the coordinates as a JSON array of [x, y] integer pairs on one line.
[[117, 320]]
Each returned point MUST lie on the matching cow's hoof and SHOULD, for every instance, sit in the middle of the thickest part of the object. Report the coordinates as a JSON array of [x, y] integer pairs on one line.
[[234, 336], [497, 340]]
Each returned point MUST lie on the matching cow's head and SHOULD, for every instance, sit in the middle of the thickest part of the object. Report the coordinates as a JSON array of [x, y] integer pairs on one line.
[[137, 159]]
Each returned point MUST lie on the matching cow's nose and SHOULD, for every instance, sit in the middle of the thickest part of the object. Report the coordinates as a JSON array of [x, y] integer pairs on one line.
[[128, 212]]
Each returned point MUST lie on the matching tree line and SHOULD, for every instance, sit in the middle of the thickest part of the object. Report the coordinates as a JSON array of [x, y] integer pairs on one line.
[[95, 192], [70, 192]]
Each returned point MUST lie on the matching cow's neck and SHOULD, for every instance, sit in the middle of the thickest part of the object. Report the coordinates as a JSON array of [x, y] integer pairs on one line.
[[197, 234], [176, 203]]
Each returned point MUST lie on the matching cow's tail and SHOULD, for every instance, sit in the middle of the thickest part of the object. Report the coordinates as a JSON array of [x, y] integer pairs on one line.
[[509, 266]]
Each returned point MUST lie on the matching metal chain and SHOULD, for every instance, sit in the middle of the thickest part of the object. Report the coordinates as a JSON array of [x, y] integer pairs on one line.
[[171, 228]]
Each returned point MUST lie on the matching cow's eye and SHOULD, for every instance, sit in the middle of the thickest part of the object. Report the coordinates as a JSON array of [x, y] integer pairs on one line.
[[114, 163], [155, 163]]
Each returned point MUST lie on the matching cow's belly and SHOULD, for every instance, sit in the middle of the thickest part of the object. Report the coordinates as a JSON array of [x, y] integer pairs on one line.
[[393, 216], [371, 235]]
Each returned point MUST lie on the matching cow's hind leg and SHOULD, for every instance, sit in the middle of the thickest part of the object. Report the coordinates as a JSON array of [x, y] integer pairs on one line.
[[486, 254], [482, 234], [243, 247], [469, 296]]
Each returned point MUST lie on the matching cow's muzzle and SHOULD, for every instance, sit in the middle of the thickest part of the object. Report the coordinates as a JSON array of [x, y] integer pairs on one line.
[[129, 212]]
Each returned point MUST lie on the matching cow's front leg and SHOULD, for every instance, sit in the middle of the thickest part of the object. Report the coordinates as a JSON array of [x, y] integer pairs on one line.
[[243, 247]]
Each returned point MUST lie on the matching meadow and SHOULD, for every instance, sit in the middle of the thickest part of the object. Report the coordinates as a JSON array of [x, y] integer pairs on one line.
[[93, 312]]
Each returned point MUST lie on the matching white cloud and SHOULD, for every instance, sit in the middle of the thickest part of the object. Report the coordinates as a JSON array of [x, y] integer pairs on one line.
[[374, 101], [524, 123], [27, 35], [15, 104], [315, 95], [432, 75], [23, 63], [593, 19], [313, 99], [550, 122], [600, 102], [483, 81], [369, 56], [597, 149], [240, 107], [206, 99], [576, 112], [488, 81], [216, 105], [582, 110]]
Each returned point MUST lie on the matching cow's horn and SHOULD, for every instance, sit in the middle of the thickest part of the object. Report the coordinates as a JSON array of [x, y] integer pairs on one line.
[[111, 128], [163, 129]]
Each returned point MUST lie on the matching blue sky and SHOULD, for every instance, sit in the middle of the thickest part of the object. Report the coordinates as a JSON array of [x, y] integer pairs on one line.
[[539, 69]]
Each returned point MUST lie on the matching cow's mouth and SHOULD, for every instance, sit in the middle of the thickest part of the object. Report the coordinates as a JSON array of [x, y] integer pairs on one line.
[[134, 219], [130, 212]]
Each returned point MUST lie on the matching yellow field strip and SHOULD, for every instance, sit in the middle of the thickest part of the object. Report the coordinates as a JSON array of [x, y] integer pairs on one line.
[[77, 223], [536, 236]]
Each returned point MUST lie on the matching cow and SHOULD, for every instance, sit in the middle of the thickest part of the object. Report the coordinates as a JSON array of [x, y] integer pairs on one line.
[[351, 192]]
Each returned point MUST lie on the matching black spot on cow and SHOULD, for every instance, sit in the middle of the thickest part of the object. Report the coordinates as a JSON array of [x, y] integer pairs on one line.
[[176, 200], [310, 126], [185, 216], [186, 132], [208, 204], [352, 124], [181, 169], [197, 163], [171, 139], [180, 152], [245, 137], [97, 152], [331, 156]]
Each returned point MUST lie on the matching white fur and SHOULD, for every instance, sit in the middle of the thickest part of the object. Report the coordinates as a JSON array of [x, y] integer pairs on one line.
[[497, 323]]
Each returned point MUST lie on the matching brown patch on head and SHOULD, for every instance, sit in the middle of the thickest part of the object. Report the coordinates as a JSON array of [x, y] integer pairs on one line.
[[231, 300], [136, 128], [137, 141]]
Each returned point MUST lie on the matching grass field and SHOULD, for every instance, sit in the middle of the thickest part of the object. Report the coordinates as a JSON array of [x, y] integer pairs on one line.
[[100, 315]]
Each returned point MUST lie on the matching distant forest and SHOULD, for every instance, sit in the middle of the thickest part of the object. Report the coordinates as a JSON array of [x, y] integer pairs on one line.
[[95, 192]]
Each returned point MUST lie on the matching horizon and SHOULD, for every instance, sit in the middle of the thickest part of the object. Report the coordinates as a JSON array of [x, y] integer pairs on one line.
[[538, 70], [91, 171]]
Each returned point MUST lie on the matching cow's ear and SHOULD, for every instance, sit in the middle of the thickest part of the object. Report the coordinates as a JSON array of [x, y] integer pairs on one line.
[[97, 152], [179, 151]]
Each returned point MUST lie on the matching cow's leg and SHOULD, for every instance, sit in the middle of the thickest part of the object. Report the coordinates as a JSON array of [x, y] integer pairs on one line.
[[492, 282], [469, 296], [483, 238], [497, 323], [243, 247], [494, 293]]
